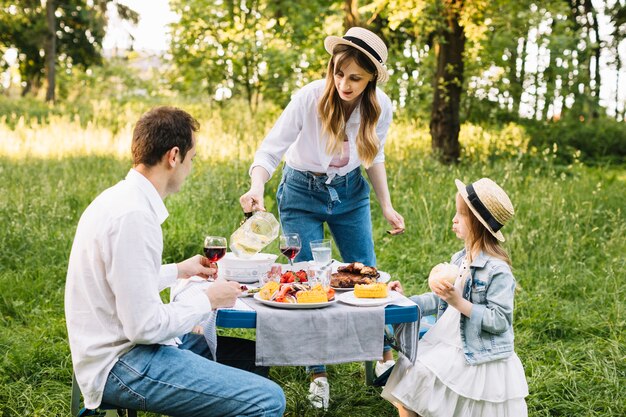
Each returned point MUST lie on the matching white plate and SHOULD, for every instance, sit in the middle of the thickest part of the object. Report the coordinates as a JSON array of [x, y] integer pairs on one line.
[[384, 278], [246, 293], [242, 280], [294, 306], [349, 298]]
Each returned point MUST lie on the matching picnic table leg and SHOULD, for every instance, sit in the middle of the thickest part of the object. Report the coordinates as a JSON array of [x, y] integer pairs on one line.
[[369, 372]]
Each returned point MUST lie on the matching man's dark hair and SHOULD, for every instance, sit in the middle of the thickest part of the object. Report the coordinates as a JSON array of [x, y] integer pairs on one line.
[[158, 131]]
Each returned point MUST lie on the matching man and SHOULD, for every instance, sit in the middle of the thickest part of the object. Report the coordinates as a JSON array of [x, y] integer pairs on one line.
[[123, 339]]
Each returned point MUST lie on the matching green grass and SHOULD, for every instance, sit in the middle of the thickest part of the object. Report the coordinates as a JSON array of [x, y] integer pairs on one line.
[[567, 242]]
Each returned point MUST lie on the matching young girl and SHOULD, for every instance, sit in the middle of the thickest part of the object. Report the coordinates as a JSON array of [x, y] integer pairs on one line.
[[466, 365], [329, 129]]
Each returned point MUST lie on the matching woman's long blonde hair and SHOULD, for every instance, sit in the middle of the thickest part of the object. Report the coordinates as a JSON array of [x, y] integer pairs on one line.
[[332, 113], [480, 237]]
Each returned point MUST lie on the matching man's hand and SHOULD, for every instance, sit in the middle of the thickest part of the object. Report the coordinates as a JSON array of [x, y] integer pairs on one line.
[[223, 293], [197, 265]]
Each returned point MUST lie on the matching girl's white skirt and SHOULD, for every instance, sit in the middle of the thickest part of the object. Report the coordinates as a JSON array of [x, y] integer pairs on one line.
[[442, 383]]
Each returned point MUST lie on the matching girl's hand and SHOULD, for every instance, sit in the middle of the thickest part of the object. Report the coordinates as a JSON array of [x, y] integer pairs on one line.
[[452, 295], [395, 286], [447, 292], [395, 220]]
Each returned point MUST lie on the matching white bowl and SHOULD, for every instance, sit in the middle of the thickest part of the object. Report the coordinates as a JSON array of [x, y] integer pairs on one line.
[[245, 270]]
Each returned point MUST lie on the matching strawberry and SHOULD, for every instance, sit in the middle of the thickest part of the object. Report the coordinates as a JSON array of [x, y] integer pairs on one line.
[[287, 278], [301, 276]]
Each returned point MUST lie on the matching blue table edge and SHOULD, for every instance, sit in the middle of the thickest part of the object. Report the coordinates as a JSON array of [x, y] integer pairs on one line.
[[247, 319]]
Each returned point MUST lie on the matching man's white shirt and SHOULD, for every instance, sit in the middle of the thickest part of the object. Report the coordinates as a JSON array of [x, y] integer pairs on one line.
[[114, 278]]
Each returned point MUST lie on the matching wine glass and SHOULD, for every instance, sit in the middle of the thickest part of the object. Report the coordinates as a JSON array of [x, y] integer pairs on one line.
[[214, 249], [290, 246]]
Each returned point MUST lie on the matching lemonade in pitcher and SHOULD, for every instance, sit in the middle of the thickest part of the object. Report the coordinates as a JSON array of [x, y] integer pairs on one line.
[[254, 234]]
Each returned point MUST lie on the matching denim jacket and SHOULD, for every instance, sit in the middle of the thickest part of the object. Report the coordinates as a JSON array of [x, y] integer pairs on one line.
[[488, 333]]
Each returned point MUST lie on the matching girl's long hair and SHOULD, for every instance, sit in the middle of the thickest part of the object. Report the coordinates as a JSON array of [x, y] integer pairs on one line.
[[480, 237], [332, 113]]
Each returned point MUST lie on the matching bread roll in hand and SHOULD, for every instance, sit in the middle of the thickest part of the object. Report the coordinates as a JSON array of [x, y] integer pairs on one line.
[[443, 272]]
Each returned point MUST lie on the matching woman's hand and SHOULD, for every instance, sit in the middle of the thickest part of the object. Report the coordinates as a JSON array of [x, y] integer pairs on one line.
[[252, 201], [395, 220], [197, 266], [378, 178], [395, 286]]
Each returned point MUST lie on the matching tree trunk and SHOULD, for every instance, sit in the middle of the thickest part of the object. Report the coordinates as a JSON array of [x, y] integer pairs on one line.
[[28, 84], [618, 67], [448, 83], [593, 26], [518, 88], [50, 49], [351, 18]]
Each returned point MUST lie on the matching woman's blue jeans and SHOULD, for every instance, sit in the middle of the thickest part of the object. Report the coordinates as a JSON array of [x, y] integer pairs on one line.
[[306, 202], [181, 381]]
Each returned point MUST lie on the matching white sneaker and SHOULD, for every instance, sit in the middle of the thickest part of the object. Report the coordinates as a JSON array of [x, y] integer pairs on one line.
[[319, 393], [381, 367]]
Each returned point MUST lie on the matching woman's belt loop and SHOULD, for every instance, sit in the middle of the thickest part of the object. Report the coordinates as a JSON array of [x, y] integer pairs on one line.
[[334, 196]]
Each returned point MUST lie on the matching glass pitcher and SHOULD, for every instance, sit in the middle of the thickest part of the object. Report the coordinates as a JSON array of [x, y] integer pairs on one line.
[[254, 234]]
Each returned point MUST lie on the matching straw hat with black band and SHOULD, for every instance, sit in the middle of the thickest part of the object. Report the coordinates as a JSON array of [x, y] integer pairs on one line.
[[366, 42], [489, 203]]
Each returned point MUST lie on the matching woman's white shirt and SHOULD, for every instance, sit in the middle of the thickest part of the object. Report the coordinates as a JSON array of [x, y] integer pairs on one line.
[[297, 134]]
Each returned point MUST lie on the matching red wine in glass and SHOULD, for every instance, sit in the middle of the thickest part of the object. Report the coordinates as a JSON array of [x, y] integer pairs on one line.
[[214, 248], [215, 253], [290, 246], [290, 251]]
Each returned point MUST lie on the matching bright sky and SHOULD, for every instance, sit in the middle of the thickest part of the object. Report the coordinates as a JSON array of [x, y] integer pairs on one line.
[[151, 33]]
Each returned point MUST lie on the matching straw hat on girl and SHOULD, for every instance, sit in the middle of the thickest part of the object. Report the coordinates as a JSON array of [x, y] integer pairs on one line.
[[489, 203], [366, 42]]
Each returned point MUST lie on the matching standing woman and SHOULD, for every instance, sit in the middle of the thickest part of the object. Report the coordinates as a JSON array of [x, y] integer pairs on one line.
[[329, 129]]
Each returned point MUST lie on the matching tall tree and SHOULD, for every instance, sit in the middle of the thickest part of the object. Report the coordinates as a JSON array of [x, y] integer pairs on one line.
[[445, 124], [50, 48], [351, 17], [68, 33], [615, 38]]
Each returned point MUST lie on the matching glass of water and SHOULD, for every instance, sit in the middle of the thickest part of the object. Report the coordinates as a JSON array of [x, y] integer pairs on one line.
[[319, 274], [321, 250]]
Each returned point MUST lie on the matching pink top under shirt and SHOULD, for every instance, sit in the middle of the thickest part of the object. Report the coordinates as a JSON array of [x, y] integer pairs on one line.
[[342, 160]]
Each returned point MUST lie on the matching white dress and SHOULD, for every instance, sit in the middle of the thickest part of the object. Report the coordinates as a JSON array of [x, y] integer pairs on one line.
[[442, 383]]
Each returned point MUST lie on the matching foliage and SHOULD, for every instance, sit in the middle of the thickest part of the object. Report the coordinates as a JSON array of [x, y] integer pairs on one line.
[[523, 59], [103, 126], [80, 30], [250, 49], [566, 242], [592, 141]]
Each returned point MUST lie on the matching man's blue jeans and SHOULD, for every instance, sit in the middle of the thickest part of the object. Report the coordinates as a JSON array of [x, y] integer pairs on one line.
[[181, 381]]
